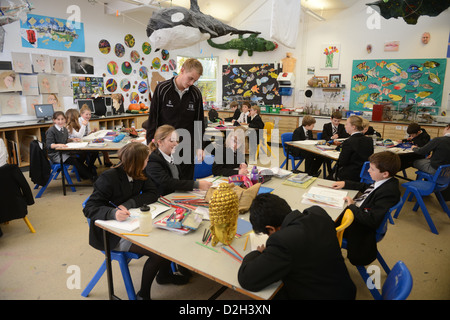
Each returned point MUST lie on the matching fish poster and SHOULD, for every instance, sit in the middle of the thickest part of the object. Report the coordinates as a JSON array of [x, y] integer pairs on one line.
[[413, 81], [254, 82], [41, 32]]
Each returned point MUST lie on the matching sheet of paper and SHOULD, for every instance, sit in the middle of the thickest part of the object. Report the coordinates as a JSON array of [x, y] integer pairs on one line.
[[77, 144], [325, 197], [257, 240], [96, 135], [306, 142]]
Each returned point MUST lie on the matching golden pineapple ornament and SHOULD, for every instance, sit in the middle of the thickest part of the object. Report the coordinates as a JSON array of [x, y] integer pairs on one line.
[[223, 213]]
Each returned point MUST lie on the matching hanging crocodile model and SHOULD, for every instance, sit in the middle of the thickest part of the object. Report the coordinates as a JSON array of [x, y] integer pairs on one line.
[[251, 43]]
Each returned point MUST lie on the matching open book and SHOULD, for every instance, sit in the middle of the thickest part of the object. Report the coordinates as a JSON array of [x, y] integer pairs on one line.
[[325, 197]]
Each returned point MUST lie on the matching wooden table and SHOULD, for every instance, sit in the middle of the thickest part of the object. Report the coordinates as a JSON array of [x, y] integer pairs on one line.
[[217, 266]]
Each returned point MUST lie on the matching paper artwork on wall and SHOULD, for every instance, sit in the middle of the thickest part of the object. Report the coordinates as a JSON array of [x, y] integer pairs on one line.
[[53, 100], [397, 81], [47, 83], [41, 32], [111, 85], [329, 56], [10, 103], [64, 85], [21, 62], [126, 68], [104, 46], [81, 65], [41, 63], [112, 68], [30, 85], [9, 81], [146, 48], [134, 56], [31, 101], [255, 82], [85, 87], [60, 65], [125, 85], [119, 50], [392, 46], [129, 40]]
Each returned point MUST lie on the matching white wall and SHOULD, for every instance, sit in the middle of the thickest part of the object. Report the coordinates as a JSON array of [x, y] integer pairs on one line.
[[347, 27]]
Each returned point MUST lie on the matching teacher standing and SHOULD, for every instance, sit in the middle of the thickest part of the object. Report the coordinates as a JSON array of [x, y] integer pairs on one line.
[[179, 103]]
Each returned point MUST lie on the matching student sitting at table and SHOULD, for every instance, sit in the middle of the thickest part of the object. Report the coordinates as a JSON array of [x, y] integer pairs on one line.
[[302, 251], [416, 135], [245, 113], [371, 206], [440, 153], [85, 116], [127, 186], [161, 167], [369, 130], [354, 150], [56, 137], [229, 158], [334, 129], [234, 106], [304, 132]]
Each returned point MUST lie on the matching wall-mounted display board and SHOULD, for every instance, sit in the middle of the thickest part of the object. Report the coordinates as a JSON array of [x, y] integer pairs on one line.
[[254, 82], [418, 81]]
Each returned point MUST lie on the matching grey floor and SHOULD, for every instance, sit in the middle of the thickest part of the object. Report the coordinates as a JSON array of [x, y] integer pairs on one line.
[[56, 262]]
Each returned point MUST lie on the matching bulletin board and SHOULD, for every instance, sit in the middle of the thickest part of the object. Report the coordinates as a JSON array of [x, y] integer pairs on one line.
[[418, 81], [254, 82]]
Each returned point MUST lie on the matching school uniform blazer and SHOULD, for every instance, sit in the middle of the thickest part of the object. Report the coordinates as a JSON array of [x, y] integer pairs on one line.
[[327, 131], [361, 234], [222, 166], [53, 135], [113, 185], [159, 172], [299, 135], [235, 116], [354, 152], [305, 255], [256, 122], [15, 193]]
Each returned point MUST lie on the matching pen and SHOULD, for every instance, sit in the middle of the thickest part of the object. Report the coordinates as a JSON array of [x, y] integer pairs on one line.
[[117, 207]]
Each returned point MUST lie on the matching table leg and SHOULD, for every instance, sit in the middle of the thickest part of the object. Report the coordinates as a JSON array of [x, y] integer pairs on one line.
[[288, 151], [63, 178], [109, 276]]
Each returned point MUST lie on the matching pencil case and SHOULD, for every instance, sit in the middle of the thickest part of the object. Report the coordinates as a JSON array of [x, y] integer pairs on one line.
[[177, 218], [119, 138]]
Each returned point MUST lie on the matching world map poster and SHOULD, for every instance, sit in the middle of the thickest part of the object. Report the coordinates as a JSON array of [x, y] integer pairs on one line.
[[43, 32]]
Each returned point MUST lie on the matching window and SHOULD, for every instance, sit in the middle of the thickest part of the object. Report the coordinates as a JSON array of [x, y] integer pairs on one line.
[[208, 81]]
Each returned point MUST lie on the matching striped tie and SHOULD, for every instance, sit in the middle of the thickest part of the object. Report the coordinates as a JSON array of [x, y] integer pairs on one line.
[[365, 194], [334, 130]]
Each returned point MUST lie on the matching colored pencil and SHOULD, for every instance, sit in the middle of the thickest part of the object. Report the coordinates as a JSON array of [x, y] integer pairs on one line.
[[231, 255], [135, 234], [204, 245], [246, 240], [236, 252]]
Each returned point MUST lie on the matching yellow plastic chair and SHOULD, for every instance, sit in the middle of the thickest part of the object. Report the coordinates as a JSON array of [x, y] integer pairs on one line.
[[268, 126], [347, 220]]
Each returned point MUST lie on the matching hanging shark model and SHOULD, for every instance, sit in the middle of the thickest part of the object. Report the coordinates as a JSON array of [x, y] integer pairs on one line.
[[178, 27]]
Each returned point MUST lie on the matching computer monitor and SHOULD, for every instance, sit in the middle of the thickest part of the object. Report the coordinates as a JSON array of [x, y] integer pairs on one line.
[[43, 112], [88, 102]]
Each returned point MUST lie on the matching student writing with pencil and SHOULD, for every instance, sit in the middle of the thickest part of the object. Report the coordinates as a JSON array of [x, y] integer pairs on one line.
[[118, 189], [229, 158]]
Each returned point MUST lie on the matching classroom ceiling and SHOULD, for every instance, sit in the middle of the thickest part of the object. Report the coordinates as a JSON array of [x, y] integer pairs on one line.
[[220, 9]]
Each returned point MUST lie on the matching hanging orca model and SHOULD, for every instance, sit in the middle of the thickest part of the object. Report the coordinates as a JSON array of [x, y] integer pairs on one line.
[[178, 27]]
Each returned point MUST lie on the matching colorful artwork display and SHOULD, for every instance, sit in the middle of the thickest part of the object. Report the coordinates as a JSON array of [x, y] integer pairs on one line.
[[41, 32], [330, 54], [255, 82], [85, 87], [418, 81]]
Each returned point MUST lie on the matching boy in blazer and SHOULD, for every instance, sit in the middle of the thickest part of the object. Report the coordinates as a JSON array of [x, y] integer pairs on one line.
[[304, 132], [370, 208], [334, 129], [354, 151], [302, 251]]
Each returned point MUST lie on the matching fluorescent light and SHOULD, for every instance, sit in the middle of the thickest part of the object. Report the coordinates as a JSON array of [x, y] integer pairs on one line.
[[314, 15]]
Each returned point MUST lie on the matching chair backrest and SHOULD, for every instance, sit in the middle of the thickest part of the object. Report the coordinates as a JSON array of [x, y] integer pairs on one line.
[[347, 220], [319, 135], [442, 175], [364, 174], [204, 169], [398, 284], [286, 137]]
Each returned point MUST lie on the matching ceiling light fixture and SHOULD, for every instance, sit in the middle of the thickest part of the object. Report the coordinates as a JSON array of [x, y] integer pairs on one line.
[[314, 15]]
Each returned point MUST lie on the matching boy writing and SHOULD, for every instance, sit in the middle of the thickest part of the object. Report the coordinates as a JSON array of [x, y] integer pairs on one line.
[[370, 208], [302, 251], [334, 129]]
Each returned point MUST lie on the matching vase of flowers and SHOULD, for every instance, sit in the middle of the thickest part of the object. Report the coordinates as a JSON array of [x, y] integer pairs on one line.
[[329, 53]]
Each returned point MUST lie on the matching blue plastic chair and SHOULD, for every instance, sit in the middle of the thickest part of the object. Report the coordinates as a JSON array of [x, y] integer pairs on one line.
[[123, 258], [420, 188], [319, 135], [55, 169], [380, 233], [286, 137], [398, 284], [204, 169]]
